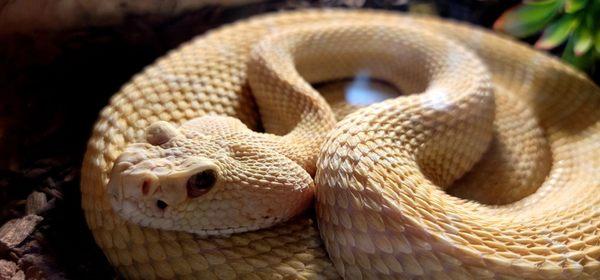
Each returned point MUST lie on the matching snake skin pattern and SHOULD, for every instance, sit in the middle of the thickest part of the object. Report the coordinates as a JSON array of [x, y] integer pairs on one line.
[[487, 167]]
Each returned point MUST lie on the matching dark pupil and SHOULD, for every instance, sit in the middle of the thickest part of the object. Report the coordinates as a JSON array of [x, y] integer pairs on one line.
[[200, 183]]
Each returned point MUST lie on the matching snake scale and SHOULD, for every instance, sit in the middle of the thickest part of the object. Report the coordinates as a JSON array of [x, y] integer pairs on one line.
[[207, 165]]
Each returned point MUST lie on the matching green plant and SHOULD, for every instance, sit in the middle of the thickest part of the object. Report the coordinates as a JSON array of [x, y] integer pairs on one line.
[[575, 21]]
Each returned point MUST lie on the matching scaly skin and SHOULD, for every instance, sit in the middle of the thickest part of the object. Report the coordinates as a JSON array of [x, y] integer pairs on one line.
[[177, 183]]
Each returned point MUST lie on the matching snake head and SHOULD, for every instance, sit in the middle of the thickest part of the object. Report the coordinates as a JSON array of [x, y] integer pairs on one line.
[[211, 176]]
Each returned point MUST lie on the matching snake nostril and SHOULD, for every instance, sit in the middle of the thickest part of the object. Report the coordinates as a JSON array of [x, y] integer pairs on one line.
[[161, 204], [145, 187]]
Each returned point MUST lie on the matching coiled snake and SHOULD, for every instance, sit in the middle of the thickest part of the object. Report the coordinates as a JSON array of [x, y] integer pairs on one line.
[[487, 166]]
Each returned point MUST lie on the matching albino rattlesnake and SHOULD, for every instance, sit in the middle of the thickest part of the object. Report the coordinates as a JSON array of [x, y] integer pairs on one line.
[[495, 121]]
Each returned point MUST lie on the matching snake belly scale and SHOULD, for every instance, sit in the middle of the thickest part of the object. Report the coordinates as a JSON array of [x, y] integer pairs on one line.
[[487, 167]]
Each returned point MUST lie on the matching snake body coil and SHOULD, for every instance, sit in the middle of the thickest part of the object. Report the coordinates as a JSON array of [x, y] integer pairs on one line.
[[486, 168]]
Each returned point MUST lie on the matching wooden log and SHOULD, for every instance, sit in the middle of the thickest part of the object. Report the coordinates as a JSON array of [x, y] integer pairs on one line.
[[36, 203], [10, 270], [13, 232]]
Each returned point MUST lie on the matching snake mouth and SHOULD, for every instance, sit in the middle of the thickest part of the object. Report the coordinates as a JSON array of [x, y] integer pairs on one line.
[[139, 212]]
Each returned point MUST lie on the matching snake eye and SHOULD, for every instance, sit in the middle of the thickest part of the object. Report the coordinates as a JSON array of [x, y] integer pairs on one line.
[[201, 183]]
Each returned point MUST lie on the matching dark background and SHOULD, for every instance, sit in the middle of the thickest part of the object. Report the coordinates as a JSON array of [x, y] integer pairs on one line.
[[54, 83]]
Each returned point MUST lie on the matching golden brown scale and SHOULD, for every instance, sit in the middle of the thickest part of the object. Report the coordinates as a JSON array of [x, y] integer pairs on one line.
[[510, 129]]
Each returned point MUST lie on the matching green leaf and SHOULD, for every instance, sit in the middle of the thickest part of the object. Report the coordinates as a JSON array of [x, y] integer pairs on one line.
[[582, 62], [542, 2], [597, 43], [583, 39], [528, 18], [572, 6], [590, 18], [557, 32]]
